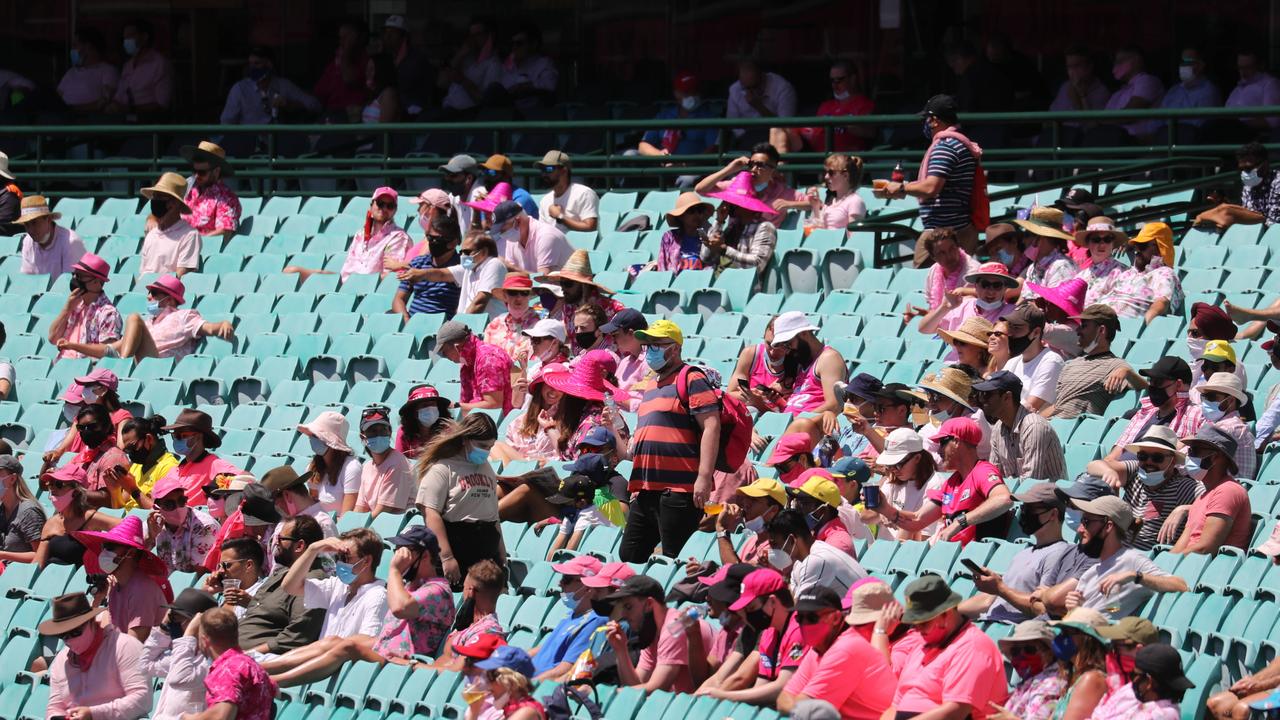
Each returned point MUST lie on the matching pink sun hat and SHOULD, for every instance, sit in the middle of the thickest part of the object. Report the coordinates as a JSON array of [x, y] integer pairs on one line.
[[331, 428], [586, 379], [498, 195], [91, 264], [1068, 296], [171, 286], [539, 376], [127, 533], [741, 193]]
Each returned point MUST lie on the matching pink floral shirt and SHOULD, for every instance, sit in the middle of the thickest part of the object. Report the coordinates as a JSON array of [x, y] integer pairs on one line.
[[1101, 278], [1049, 271], [592, 416], [939, 282], [421, 635], [176, 332], [213, 210], [185, 548], [237, 679], [1035, 699], [1134, 291], [506, 332], [98, 322], [488, 370], [366, 256]]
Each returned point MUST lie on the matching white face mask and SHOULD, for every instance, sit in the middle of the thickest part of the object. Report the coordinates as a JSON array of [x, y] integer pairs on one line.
[[988, 304], [1186, 73], [840, 95], [690, 102], [1088, 349], [107, 561], [779, 559], [1195, 346], [1250, 178]]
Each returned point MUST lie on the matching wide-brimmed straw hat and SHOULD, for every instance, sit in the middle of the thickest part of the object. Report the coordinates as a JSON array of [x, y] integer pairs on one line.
[[209, 152], [35, 206], [973, 330], [952, 383], [578, 269], [172, 185], [586, 379], [70, 611], [1100, 225], [686, 202], [1045, 222], [741, 193]]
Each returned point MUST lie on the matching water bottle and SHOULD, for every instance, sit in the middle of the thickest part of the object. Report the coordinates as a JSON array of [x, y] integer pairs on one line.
[[688, 618], [826, 451], [612, 405]]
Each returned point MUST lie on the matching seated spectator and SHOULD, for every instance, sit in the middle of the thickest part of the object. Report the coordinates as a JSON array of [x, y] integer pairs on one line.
[[970, 342], [139, 585], [88, 317], [991, 281], [568, 205], [193, 438], [72, 512], [509, 692], [477, 616], [1166, 404], [1050, 560], [1150, 288], [1051, 265], [1258, 204], [595, 495], [812, 562], [434, 206], [419, 295], [815, 494], [1153, 482], [262, 97], [817, 367], [214, 207], [1102, 270], [754, 505], [334, 469], [1139, 89], [664, 661], [578, 287], [113, 686], [174, 656], [1221, 516], [382, 238], [957, 669], [765, 185], [1127, 636], [590, 400], [498, 171], [682, 246], [1124, 577], [1023, 443], [181, 535], [484, 369], [1209, 335], [22, 518], [385, 105], [949, 264], [104, 463], [548, 344], [907, 471], [97, 388], [633, 372], [236, 685], [1032, 361], [1060, 304], [140, 441], [146, 80], [847, 99], [892, 406], [341, 89], [292, 496], [1084, 673], [791, 456], [421, 417], [47, 248], [974, 500], [587, 321], [474, 67], [759, 381], [479, 272], [387, 484], [172, 245], [769, 609], [554, 656], [1007, 245], [254, 519], [687, 141], [90, 82], [1082, 90], [533, 434], [528, 77], [1257, 88], [278, 621], [489, 195], [1156, 687], [758, 94], [740, 238], [241, 571], [1193, 90], [167, 332], [1222, 399], [1083, 384], [842, 205], [526, 245]]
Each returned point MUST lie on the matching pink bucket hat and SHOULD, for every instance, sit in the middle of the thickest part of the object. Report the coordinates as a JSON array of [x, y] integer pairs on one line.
[[91, 264], [331, 428], [385, 191], [100, 376], [586, 379], [434, 197], [498, 195], [127, 533], [741, 193], [1068, 296], [171, 286]]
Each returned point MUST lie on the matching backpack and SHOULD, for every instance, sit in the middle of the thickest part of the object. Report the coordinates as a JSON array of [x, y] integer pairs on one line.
[[559, 704], [979, 202], [735, 420]]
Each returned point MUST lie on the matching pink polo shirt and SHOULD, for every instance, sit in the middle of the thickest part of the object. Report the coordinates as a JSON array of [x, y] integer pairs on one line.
[[672, 648], [366, 256], [968, 670], [959, 495], [137, 603], [83, 85], [851, 674], [545, 247], [195, 475], [176, 331], [390, 484], [147, 78]]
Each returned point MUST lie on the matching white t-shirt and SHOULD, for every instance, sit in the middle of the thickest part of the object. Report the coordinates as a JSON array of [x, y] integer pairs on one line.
[[1124, 599], [362, 616], [164, 251], [578, 202], [1039, 376], [7, 373], [827, 566], [348, 481], [483, 278], [906, 497]]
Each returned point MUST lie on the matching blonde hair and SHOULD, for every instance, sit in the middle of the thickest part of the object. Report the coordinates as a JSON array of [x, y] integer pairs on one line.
[[515, 683]]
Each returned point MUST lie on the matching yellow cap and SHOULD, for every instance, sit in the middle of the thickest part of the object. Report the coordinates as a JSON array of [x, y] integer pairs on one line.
[[823, 490], [1218, 351], [661, 330], [766, 487], [1162, 235]]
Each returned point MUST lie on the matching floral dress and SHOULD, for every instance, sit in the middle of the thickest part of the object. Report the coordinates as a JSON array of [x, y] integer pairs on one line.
[[1049, 271], [424, 634], [1134, 291], [1036, 698], [1101, 278]]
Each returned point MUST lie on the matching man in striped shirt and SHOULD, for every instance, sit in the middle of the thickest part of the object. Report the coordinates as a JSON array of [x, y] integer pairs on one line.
[[673, 452]]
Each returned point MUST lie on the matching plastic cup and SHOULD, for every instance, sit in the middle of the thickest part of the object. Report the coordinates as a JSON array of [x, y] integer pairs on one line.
[[713, 508], [230, 584]]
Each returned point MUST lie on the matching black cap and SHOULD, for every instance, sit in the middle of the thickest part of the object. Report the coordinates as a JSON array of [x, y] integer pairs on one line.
[[730, 588], [506, 210], [817, 597], [943, 107], [1163, 663], [416, 536], [191, 601], [863, 387], [897, 393], [1074, 198], [1086, 487], [573, 489], [259, 505], [634, 586], [998, 381], [1169, 368], [626, 319]]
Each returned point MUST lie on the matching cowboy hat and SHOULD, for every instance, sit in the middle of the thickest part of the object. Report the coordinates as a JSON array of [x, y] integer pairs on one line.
[[686, 202], [973, 330], [171, 184], [70, 611], [1100, 225], [35, 206], [577, 269], [209, 152], [1045, 222], [741, 193], [199, 422]]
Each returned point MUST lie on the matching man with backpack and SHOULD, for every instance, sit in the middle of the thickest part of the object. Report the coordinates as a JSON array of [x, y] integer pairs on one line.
[[674, 451], [950, 186]]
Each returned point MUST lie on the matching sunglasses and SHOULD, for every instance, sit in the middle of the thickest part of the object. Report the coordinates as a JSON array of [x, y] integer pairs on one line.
[[375, 411], [1096, 239], [490, 172], [201, 172], [169, 504], [385, 205], [990, 285], [809, 618], [932, 396], [997, 333], [1020, 650], [73, 632], [62, 485], [1151, 457], [943, 442], [517, 293], [548, 169], [757, 165], [87, 428], [226, 564]]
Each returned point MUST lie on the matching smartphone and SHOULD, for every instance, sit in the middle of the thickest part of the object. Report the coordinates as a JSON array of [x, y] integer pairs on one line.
[[974, 567], [744, 384]]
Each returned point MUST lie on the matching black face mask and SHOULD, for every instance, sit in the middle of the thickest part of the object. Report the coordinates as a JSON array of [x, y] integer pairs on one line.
[[759, 620], [1157, 395], [1029, 522], [1019, 345], [77, 284], [159, 207], [92, 439], [585, 339], [139, 455], [454, 187], [547, 179], [440, 247]]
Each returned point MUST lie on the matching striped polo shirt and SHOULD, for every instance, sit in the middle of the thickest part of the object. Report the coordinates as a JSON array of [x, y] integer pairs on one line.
[[952, 161], [666, 445], [432, 297]]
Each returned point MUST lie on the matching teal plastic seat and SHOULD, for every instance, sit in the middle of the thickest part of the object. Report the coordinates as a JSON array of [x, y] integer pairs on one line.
[[361, 284]]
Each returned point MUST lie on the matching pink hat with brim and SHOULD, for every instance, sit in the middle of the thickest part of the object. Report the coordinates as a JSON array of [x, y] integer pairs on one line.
[[434, 197], [427, 392], [580, 566], [539, 376], [586, 379], [71, 472], [91, 264], [167, 484], [331, 427], [74, 394], [498, 195], [789, 446], [741, 193], [171, 286], [1068, 296], [610, 575], [100, 376], [127, 533]]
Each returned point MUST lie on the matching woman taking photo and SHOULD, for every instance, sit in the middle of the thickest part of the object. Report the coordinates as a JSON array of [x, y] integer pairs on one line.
[[336, 471], [842, 174], [532, 434], [71, 513], [421, 417], [505, 687], [22, 519], [457, 495]]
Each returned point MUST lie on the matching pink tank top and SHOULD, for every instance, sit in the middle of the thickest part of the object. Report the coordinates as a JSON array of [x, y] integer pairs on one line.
[[760, 372], [807, 395]]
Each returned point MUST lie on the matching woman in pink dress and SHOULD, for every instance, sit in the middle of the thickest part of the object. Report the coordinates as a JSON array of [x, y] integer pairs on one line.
[[532, 434], [842, 174], [379, 241]]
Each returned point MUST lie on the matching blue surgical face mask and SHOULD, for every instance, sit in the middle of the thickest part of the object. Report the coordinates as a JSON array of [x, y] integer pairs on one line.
[[569, 600], [941, 415], [317, 446], [655, 357], [130, 46], [76, 58], [153, 307], [379, 444], [428, 415], [989, 305], [1195, 467], [1005, 257], [760, 186], [346, 573], [690, 102], [181, 446], [755, 525], [1211, 410], [477, 456], [1150, 479], [1064, 647], [468, 262]]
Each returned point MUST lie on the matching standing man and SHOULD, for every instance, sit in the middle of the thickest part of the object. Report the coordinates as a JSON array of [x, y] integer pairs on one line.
[[412, 67], [215, 209], [172, 246], [485, 370], [674, 450], [945, 182], [47, 248], [1023, 444], [569, 205]]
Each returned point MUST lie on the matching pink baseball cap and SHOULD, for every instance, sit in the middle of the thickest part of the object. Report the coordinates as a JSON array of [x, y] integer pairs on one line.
[[610, 575], [91, 264], [434, 197], [790, 445], [74, 394], [758, 584], [71, 472], [167, 484], [100, 376], [964, 429], [581, 565], [171, 286], [385, 191]]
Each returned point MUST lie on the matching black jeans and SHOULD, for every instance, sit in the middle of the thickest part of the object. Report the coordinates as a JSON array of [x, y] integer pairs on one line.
[[658, 516], [473, 542]]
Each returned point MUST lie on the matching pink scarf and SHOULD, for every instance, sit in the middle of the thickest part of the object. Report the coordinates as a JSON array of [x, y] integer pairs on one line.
[[937, 137]]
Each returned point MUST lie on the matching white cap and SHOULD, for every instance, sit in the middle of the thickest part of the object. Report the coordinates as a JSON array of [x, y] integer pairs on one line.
[[547, 328], [397, 22], [898, 445], [790, 324]]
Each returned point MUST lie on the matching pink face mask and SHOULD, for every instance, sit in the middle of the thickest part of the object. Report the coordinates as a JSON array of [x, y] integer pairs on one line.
[[63, 501], [174, 517], [813, 635], [80, 643]]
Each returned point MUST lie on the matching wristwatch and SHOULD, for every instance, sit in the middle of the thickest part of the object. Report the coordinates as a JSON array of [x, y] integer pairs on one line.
[[963, 522], [1137, 578], [722, 535]]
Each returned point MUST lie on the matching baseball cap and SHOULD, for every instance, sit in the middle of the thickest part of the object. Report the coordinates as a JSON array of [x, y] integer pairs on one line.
[[508, 656], [460, 164], [943, 107], [547, 328], [625, 319], [579, 565], [1132, 629], [964, 429], [1110, 507], [506, 210], [574, 488], [416, 536], [11, 464], [1099, 313], [634, 586], [1163, 661], [727, 589], [610, 574], [1045, 493], [817, 597], [817, 484], [766, 487], [1028, 313], [661, 330], [851, 468], [685, 82], [790, 324], [478, 647], [374, 415], [759, 584], [556, 157], [788, 446], [501, 163], [1000, 381], [1219, 351], [597, 436], [397, 22], [1169, 368], [898, 445], [863, 386], [1088, 488]]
